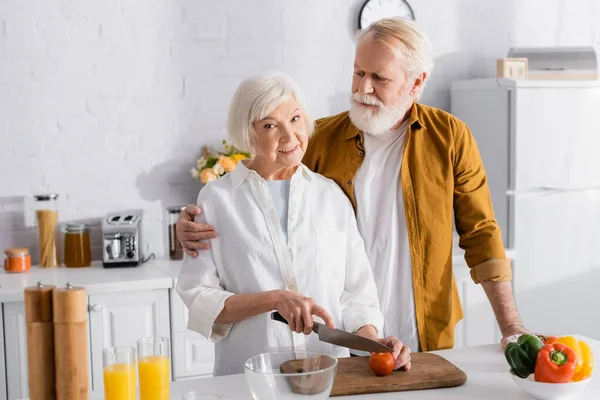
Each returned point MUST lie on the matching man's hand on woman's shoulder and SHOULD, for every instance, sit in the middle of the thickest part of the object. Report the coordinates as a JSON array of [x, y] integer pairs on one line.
[[190, 233]]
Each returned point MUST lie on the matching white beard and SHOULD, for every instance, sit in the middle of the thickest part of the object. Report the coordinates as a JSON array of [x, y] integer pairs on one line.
[[379, 121]]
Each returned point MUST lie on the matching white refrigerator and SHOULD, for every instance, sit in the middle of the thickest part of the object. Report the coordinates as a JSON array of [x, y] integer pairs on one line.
[[540, 145]]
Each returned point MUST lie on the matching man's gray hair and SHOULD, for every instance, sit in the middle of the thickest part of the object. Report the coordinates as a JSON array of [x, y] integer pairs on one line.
[[254, 100], [407, 40]]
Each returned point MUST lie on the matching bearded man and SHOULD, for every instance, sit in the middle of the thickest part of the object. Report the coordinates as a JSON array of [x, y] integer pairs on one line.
[[410, 172]]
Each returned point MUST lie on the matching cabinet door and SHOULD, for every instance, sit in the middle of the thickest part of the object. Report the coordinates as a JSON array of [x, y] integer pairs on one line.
[[15, 336], [557, 240], [557, 138], [3, 391], [120, 319], [479, 326], [193, 356], [15, 340]]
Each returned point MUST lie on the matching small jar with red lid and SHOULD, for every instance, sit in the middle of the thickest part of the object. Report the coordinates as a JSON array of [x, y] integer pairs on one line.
[[17, 260]]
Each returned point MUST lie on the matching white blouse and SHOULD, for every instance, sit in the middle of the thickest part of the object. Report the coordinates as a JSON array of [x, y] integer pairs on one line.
[[323, 258]]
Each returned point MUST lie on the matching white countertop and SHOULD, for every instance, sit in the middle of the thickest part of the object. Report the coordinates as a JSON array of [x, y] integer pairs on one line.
[[485, 366], [155, 274], [96, 279]]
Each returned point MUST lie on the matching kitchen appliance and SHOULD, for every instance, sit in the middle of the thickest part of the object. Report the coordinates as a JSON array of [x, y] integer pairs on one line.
[[558, 62], [342, 338], [121, 239], [539, 142]]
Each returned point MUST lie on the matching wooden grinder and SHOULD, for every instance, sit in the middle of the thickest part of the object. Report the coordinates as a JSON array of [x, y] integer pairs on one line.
[[40, 342], [70, 343]]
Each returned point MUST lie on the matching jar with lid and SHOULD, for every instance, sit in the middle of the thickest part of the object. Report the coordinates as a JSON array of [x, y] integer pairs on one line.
[[78, 251], [46, 211], [175, 249], [17, 260]]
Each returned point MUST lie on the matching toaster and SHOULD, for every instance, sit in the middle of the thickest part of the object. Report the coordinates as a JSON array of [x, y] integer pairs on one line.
[[121, 239]]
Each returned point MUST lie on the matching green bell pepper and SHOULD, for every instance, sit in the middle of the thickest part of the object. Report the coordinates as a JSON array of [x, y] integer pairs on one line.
[[522, 354], [531, 344]]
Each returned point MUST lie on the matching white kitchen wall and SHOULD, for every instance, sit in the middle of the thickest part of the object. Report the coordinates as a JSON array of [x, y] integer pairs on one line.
[[109, 103]]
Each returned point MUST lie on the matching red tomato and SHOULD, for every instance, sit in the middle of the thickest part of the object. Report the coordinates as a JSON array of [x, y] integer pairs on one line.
[[382, 363]]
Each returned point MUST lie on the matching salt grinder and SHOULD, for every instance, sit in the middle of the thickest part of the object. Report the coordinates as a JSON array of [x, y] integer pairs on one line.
[[71, 343], [40, 342]]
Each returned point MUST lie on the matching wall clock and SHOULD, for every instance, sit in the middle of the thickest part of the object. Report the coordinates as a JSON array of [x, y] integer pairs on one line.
[[372, 10]]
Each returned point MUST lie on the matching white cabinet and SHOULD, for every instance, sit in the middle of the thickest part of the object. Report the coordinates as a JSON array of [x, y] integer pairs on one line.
[[2, 359], [120, 319], [539, 142], [479, 324], [557, 136], [15, 345], [193, 355]]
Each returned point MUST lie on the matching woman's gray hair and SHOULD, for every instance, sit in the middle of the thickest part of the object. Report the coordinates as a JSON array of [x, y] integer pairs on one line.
[[254, 100]]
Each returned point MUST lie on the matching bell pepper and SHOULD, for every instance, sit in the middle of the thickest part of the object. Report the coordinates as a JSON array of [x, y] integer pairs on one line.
[[588, 362], [531, 344], [574, 345], [555, 363], [550, 339], [582, 351], [519, 361], [522, 354]]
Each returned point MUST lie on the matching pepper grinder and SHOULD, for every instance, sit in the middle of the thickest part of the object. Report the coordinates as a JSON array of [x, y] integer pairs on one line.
[[40, 342], [70, 343]]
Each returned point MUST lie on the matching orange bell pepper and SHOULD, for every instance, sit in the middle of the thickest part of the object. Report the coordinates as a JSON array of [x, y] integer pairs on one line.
[[550, 339], [555, 363]]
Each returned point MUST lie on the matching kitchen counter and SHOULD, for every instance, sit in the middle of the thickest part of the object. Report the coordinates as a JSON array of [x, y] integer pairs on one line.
[[96, 279], [485, 366], [155, 274]]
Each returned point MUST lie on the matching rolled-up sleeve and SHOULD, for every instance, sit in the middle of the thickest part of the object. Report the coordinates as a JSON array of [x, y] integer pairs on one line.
[[476, 225], [360, 303], [199, 286]]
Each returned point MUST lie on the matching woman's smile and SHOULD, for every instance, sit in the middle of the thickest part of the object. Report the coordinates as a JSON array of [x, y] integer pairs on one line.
[[290, 150]]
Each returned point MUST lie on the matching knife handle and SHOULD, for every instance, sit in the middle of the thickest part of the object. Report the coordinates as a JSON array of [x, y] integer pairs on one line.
[[278, 317]]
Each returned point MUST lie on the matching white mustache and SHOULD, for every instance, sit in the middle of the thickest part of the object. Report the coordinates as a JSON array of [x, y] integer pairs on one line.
[[365, 99]]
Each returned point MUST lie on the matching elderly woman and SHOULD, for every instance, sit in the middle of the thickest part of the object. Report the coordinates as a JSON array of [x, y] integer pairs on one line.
[[288, 241]]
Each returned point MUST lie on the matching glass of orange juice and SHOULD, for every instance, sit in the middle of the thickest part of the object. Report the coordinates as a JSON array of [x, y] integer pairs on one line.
[[154, 368], [119, 373]]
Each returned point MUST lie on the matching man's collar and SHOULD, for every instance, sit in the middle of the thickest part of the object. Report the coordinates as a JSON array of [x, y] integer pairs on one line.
[[241, 173], [414, 121]]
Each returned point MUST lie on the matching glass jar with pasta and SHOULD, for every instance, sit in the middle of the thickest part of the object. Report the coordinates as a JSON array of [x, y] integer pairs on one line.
[[46, 211]]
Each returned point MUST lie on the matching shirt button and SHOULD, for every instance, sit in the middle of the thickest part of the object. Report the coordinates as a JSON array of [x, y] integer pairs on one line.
[[361, 153], [349, 183]]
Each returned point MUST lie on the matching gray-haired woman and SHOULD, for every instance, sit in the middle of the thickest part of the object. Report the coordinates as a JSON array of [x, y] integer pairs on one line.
[[288, 241]]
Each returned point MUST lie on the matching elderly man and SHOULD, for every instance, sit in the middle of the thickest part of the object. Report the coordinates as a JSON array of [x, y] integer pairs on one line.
[[409, 171]]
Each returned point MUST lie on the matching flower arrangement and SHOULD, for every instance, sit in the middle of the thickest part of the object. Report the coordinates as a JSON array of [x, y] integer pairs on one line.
[[213, 166]]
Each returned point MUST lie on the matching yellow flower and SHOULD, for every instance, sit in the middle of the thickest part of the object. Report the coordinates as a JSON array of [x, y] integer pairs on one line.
[[228, 163], [238, 157], [207, 175]]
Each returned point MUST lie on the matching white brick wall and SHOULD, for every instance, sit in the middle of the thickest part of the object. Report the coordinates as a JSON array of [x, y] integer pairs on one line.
[[108, 103]]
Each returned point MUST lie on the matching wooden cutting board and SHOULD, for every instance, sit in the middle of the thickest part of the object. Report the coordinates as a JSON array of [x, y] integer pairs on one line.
[[428, 371]]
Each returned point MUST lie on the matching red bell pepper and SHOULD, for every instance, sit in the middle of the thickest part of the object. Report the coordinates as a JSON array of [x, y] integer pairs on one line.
[[555, 363]]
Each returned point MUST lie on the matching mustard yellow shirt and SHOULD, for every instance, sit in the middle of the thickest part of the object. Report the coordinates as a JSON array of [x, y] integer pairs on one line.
[[442, 178]]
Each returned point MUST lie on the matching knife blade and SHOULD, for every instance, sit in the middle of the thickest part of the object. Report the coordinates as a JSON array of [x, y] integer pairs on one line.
[[342, 338]]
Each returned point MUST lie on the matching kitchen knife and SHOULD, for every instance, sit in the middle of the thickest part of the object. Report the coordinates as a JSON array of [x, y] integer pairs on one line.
[[342, 338]]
